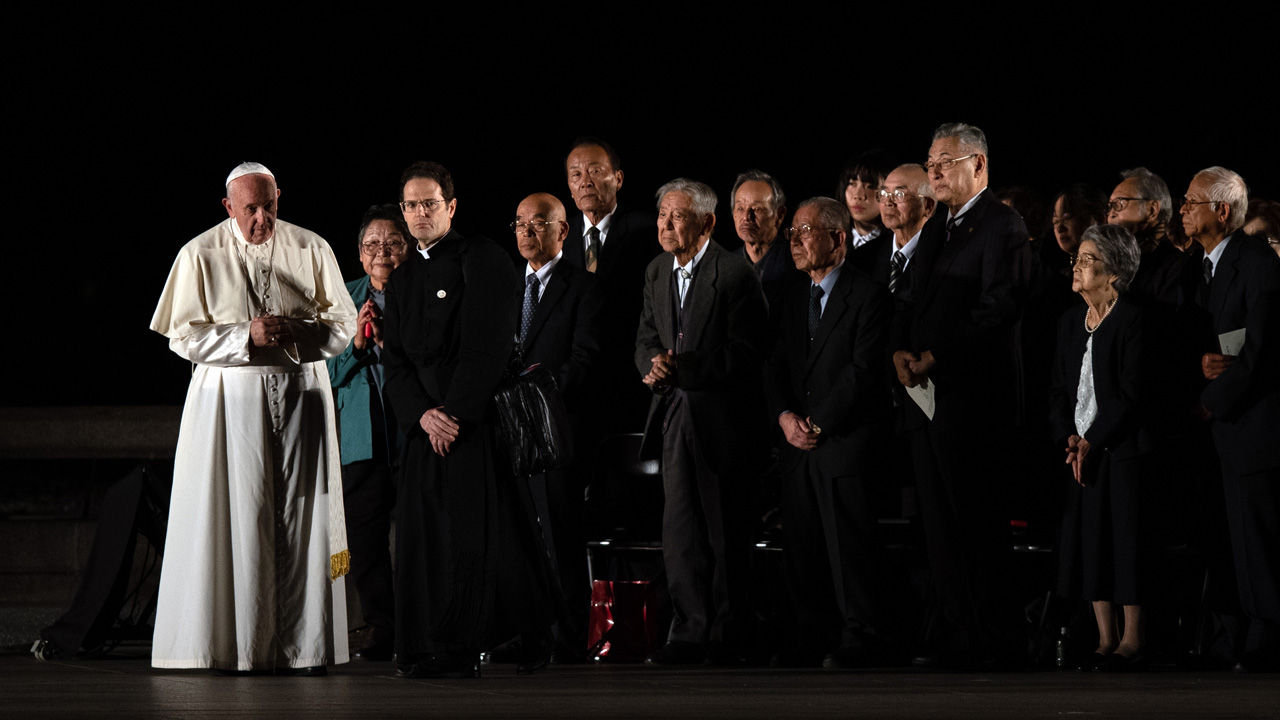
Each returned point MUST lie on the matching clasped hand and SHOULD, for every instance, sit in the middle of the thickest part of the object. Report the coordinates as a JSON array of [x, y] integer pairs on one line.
[[663, 371], [270, 331], [441, 428], [369, 317]]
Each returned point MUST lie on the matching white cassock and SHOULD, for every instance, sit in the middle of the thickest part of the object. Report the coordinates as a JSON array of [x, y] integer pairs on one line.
[[253, 538]]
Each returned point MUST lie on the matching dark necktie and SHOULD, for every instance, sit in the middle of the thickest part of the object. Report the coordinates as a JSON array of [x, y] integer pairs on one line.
[[952, 224], [815, 309], [1208, 271], [531, 286], [593, 248], [895, 269]]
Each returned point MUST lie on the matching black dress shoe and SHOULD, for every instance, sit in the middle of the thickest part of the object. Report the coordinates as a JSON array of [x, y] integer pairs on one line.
[[1093, 663], [678, 653], [853, 656], [374, 652], [440, 666], [1117, 663]]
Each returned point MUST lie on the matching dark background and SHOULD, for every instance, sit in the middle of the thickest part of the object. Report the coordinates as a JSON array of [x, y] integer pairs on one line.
[[122, 129]]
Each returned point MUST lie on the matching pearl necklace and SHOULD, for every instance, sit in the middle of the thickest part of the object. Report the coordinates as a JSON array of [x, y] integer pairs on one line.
[[1105, 313]]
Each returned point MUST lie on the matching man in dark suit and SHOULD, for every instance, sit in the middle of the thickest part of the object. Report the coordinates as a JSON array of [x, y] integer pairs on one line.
[[958, 330], [463, 555], [759, 210], [699, 347], [827, 389], [615, 244], [906, 204], [1242, 397], [560, 330]]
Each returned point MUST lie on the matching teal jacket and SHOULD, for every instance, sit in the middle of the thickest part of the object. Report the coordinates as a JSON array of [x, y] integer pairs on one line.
[[351, 379]]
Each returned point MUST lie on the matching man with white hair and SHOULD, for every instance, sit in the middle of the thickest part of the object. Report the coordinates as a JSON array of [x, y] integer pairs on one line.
[[700, 348], [958, 333], [256, 547], [1241, 292]]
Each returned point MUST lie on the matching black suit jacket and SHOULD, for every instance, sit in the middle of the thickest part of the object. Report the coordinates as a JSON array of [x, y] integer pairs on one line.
[[776, 270], [964, 304], [721, 371], [449, 330], [1120, 369], [1245, 400], [564, 335], [631, 244], [840, 379]]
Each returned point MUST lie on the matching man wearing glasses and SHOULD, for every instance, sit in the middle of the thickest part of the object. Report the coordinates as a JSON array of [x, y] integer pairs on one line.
[[1240, 293], [447, 339], [828, 392], [559, 329], [906, 203], [958, 330]]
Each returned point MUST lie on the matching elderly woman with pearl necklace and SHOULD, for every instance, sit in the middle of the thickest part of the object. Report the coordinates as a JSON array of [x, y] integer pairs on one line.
[[1100, 416]]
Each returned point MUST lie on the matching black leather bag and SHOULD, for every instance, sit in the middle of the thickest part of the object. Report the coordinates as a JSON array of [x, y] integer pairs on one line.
[[533, 424]]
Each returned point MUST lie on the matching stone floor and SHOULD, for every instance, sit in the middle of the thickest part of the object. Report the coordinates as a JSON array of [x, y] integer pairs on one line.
[[124, 686]]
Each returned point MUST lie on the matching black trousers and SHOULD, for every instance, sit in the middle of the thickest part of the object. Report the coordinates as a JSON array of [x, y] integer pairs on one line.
[[558, 497], [1253, 519], [831, 559], [369, 495], [704, 540], [960, 483]]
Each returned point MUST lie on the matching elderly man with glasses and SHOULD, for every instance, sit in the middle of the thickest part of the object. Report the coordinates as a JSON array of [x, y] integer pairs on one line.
[[1240, 295], [957, 335], [559, 329]]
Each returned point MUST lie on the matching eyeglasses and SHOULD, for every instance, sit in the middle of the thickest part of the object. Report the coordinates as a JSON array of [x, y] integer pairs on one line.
[[1188, 202], [894, 196], [537, 226], [804, 232], [1083, 260], [429, 205], [947, 164], [1120, 203], [372, 247]]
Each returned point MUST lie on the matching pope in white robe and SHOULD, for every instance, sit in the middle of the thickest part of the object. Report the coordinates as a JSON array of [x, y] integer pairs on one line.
[[256, 546]]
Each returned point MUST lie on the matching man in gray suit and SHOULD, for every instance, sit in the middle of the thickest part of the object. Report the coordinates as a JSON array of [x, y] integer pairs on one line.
[[699, 347]]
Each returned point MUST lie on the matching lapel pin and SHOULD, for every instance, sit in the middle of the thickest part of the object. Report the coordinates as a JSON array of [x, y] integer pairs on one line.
[[440, 294]]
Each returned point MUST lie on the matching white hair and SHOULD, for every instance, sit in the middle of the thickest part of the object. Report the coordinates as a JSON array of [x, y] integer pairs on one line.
[[1226, 186]]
